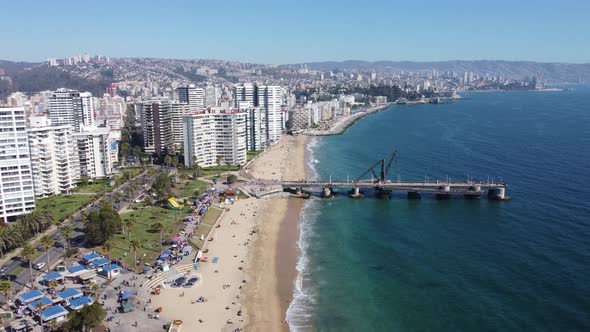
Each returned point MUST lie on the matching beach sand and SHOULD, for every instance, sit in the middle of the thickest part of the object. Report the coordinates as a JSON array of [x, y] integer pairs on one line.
[[256, 243]]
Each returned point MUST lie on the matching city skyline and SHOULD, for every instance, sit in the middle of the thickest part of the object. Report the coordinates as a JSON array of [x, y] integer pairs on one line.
[[295, 32]]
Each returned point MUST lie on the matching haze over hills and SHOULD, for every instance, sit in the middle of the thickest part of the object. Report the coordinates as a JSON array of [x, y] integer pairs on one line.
[[32, 77], [552, 72]]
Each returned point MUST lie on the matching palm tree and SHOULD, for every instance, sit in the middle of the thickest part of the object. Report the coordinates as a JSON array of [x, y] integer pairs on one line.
[[107, 246], [27, 253], [4, 238], [134, 246], [158, 227], [127, 224], [95, 289], [47, 242], [6, 288], [66, 232], [219, 159]]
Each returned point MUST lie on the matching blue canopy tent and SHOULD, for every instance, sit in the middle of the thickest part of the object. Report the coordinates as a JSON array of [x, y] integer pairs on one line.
[[91, 257], [30, 296], [69, 294], [111, 270], [41, 303], [100, 262], [78, 304], [126, 295], [77, 270], [53, 313], [55, 276]]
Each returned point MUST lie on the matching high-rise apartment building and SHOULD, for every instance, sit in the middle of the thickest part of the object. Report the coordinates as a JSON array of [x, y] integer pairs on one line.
[[161, 124], [17, 195], [54, 158], [97, 151], [215, 137], [255, 129], [270, 99], [193, 96], [247, 92], [72, 108]]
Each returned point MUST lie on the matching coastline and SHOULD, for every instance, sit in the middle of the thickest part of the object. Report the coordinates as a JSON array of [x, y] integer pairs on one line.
[[272, 262], [342, 124]]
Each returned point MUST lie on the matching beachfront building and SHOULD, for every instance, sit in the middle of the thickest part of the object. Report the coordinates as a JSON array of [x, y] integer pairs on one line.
[[71, 108], [98, 151], [270, 100], [161, 124], [256, 133], [215, 137], [17, 195], [54, 157]]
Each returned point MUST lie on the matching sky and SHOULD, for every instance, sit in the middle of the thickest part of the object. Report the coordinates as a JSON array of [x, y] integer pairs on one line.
[[286, 31]]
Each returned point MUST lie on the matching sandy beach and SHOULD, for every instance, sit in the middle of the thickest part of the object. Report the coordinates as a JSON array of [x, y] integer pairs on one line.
[[251, 285]]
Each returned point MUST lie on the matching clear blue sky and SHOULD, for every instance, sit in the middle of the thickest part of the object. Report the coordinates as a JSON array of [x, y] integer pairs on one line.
[[286, 31]]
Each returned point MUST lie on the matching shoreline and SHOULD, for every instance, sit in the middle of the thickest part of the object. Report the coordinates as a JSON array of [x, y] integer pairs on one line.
[[272, 261], [341, 125]]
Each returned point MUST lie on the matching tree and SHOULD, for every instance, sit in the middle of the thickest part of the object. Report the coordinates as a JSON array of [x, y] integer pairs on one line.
[[219, 159], [66, 232], [95, 289], [148, 200], [5, 288], [231, 179], [134, 246], [27, 254], [158, 227], [102, 225], [47, 242], [162, 185], [107, 246], [85, 319], [127, 224], [167, 160]]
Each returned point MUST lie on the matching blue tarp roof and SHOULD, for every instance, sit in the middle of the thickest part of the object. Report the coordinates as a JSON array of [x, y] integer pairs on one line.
[[78, 268], [80, 303], [53, 276], [91, 257], [126, 295], [31, 296], [53, 313], [69, 294], [101, 262], [34, 306], [167, 252], [111, 267]]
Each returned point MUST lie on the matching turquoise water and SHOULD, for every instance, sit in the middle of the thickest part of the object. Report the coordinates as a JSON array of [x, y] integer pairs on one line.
[[455, 265]]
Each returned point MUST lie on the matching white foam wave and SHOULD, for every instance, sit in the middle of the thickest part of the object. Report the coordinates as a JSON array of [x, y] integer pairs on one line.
[[299, 313]]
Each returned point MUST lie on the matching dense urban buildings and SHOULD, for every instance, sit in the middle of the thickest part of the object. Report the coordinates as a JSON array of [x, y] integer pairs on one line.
[[215, 138], [72, 108], [97, 151], [17, 195]]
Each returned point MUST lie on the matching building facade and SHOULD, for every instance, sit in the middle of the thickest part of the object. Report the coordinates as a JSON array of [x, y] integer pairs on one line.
[[215, 138], [54, 158], [71, 108], [161, 124], [17, 195], [97, 151]]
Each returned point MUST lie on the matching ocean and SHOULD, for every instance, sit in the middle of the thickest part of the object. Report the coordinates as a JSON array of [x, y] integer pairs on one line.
[[454, 265]]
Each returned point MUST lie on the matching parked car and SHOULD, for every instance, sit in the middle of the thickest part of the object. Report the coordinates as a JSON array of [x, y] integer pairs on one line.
[[40, 265]]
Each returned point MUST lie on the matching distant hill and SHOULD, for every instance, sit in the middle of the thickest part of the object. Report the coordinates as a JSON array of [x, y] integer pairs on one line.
[[552, 72]]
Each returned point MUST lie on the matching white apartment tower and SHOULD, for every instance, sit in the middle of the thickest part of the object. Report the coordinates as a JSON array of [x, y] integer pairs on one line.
[[270, 99], [72, 108], [247, 92], [161, 124], [97, 151], [256, 139], [17, 195], [54, 158], [215, 137]]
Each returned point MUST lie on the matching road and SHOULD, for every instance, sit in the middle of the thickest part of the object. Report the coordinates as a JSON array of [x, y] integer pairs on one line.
[[77, 240]]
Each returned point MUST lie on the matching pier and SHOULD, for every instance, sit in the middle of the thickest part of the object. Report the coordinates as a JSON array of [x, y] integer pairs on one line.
[[384, 187]]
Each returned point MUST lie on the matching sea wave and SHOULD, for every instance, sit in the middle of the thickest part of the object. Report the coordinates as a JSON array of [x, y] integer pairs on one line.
[[299, 313]]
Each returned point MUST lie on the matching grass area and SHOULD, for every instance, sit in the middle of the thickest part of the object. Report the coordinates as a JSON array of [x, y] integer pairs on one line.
[[206, 225], [62, 206], [140, 231], [130, 172], [98, 187], [188, 188], [251, 154]]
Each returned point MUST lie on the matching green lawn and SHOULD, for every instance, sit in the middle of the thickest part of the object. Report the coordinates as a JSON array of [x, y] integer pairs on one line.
[[206, 225], [62, 206], [131, 172], [188, 188], [98, 187], [150, 241]]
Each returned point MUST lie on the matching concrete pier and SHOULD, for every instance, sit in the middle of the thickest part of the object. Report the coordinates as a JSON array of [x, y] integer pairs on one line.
[[356, 193], [414, 195], [327, 192]]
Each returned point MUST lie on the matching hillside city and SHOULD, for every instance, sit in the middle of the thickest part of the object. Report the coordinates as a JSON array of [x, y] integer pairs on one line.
[[89, 178]]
